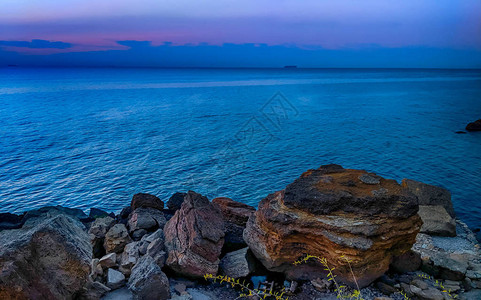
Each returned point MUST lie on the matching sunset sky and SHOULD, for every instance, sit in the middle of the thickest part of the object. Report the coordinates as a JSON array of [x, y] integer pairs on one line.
[[311, 33]]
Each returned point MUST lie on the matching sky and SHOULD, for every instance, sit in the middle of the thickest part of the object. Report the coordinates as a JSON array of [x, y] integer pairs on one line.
[[247, 33]]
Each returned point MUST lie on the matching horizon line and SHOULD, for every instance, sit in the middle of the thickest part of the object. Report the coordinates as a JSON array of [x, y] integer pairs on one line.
[[287, 68]]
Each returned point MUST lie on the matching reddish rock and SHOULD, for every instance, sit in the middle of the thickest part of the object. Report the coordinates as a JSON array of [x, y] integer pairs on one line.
[[194, 237], [146, 200], [233, 211], [332, 212], [235, 216]]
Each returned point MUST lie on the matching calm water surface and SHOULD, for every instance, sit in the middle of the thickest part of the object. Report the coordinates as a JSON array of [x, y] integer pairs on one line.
[[94, 137]]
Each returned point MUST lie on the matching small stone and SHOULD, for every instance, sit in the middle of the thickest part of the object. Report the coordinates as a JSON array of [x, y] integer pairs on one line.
[[467, 284], [476, 284], [385, 288], [427, 294], [108, 261], [180, 288], [96, 268], [93, 290], [138, 234], [156, 251], [473, 274], [129, 256], [116, 238], [407, 289], [452, 288], [322, 285], [293, 286], [115, 279], [420, 284]]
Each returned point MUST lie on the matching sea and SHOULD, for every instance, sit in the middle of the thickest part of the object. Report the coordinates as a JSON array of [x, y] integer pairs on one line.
[[93, 137]]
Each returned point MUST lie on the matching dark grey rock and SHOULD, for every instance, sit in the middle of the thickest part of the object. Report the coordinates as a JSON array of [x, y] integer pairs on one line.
[[430, 194], [48, 258], [147, 281], [115, 279], [175, 201], [237, 264], [98, 213], [436, 221]]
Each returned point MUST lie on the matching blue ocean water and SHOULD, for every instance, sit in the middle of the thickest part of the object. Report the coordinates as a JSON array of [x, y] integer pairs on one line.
[[94, 137]]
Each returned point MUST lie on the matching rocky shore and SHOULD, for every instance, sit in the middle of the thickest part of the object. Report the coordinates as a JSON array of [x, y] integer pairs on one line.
[[381, 239]]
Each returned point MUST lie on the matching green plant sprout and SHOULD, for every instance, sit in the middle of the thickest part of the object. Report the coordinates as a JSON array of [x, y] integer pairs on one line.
[[340, 290], [439, 284], [246, 290]]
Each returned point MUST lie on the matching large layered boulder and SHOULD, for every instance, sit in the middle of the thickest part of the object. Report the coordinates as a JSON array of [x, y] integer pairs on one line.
[[48, 258], [194, 237], [337, 214], [235, 216]]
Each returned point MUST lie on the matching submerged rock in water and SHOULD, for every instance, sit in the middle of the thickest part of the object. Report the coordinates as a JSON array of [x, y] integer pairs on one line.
[[194, 237], [48, 258], [474, 126], [333, 212]]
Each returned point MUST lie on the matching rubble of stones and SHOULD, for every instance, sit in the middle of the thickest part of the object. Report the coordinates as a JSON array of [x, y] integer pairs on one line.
[[149, 251]]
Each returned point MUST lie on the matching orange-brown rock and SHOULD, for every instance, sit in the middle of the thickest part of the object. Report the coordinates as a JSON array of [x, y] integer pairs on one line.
[[333, 212]]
